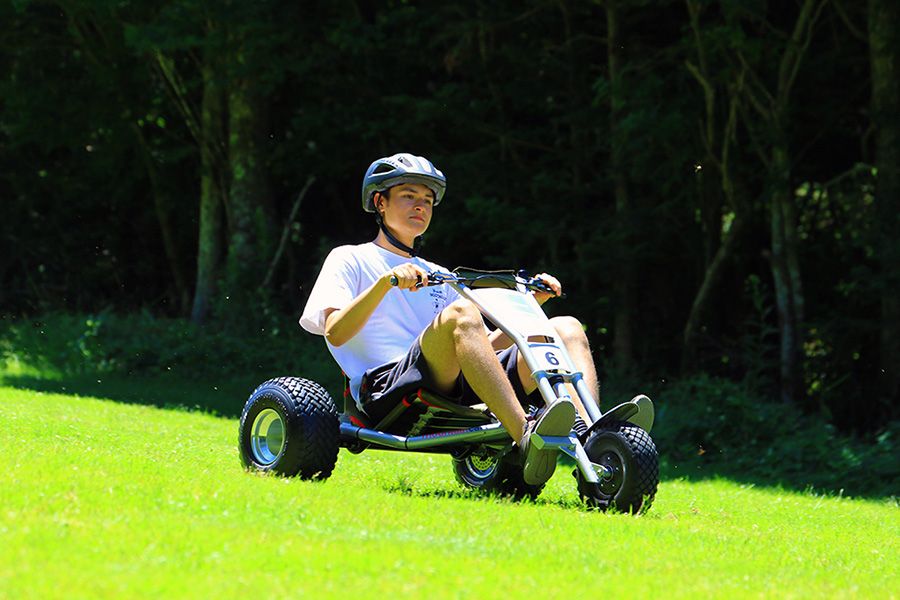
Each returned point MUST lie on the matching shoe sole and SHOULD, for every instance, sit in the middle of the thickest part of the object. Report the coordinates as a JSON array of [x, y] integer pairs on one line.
[[557, 420]]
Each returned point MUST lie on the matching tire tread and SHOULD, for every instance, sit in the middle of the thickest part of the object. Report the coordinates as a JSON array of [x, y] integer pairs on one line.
[[646, 458], [316, 429]]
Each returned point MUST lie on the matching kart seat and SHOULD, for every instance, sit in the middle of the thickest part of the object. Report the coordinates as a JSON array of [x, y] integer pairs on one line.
[[423, 412]]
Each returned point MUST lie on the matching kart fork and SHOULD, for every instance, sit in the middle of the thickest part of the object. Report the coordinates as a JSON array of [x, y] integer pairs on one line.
[[592, 472]]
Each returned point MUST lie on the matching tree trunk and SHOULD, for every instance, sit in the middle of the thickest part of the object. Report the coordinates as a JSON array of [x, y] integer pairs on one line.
[[708, 176], [884, 48], [786, 273], [250, 226], [212, 193], [785, 241], [772, 106], [166, 228], [703, 299], [715, 188], [624, 285]]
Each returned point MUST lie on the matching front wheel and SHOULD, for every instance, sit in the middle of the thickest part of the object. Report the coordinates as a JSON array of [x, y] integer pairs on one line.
[[630, 457], [290, 426], [494, 473]]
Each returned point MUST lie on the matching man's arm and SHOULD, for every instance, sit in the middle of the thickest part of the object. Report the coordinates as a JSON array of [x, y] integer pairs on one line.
[[342, 324]]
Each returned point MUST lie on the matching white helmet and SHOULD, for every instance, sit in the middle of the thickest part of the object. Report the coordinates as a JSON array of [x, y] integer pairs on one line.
[[400, 168]]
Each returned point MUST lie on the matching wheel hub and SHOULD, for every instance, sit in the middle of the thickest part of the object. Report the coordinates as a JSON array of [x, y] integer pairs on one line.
[[614, 473], [267, 437]]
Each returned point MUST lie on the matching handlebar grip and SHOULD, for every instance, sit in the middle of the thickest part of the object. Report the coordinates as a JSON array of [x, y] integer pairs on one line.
[[540, 285], [395, 282]]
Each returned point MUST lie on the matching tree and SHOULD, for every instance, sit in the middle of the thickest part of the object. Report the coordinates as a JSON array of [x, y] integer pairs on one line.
[[718, 190], [771, 102], [884, 49], [625, 277], [249, 207], [234, 43], [99, 36]]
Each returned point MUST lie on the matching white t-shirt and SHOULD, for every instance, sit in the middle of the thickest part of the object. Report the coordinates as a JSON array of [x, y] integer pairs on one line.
[[394, 325]]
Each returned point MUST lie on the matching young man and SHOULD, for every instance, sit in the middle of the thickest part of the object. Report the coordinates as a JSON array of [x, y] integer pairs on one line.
[[391, 340]]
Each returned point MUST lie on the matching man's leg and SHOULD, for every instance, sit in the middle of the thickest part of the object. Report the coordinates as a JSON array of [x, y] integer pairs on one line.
[[455, 343], [572, 334]]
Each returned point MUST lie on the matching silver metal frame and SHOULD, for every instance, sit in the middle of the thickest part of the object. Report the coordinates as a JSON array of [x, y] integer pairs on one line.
[[592, 472], [493, 433], [569, 373]]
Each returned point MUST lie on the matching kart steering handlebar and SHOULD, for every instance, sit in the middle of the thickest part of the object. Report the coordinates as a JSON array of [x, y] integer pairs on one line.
[[440, 278]]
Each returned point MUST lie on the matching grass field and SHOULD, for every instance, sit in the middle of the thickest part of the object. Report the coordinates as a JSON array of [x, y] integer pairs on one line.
[[106, 499]]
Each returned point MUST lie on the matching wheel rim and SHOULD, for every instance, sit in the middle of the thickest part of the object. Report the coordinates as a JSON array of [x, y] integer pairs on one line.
[[613, 462], [267, 437], [481, 467]]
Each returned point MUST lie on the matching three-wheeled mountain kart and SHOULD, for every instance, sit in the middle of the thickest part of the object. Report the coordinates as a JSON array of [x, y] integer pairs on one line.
[[291, 426]]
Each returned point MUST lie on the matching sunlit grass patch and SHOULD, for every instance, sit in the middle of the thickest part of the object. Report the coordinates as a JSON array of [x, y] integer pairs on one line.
[[121, 500]]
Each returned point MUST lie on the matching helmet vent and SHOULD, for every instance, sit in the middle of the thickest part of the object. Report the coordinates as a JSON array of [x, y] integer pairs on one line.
[[404, 161], [383, 168]]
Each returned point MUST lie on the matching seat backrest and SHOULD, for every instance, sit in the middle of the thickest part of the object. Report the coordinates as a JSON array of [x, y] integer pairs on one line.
[[352, 411]]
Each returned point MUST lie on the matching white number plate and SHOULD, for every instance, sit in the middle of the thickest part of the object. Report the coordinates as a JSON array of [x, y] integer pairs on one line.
[[549, 358]]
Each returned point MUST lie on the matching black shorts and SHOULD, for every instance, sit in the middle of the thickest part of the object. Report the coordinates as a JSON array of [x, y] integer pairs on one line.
[[383, 387]]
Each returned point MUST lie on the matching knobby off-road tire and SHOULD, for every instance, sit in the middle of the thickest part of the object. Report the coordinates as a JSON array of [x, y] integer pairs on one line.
[[290, 427], [631, 454], [499, 474]]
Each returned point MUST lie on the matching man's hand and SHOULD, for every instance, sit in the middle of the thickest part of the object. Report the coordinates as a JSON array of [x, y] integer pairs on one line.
[[408, 276], [554, 284]]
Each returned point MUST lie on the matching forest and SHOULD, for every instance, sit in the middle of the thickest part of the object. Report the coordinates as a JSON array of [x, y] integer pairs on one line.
[[715, 182]]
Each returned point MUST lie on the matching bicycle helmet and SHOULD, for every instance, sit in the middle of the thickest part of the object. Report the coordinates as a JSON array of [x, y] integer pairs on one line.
[[400, 168]]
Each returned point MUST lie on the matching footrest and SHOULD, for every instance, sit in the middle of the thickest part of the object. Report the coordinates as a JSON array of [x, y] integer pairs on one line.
[[548, 442]]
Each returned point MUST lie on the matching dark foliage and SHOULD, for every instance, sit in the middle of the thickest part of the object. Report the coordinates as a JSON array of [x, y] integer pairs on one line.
[[102, 141], [709, 426]]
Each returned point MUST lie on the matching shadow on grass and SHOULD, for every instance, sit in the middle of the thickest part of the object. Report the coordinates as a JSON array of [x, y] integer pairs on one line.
[[693, 474], [406, 488], [852, 483], [224, 399]]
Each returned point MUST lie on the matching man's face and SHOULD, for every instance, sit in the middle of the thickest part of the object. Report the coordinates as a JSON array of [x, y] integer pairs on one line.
[[406, 208]]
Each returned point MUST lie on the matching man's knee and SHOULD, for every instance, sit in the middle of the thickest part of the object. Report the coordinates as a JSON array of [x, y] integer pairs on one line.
[[463, 317], [569, 328]]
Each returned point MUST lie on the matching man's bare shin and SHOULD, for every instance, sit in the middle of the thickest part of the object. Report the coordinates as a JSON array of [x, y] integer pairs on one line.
[[456, 342], [576, 342]]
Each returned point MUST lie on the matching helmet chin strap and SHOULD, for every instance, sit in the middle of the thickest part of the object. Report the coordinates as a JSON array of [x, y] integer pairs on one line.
[[417, 243]]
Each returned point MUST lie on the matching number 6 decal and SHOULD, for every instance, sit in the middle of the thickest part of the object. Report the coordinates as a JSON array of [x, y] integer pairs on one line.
[[551, 358]]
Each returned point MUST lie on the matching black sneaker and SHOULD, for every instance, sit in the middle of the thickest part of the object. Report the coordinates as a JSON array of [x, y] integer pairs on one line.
[[555, 421]]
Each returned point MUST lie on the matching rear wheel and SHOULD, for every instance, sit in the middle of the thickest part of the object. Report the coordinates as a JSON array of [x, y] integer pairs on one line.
[[494, 473], [630, 458], [290, 426]]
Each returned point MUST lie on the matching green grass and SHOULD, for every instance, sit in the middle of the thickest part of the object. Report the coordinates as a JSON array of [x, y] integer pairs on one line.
[[105, 499]]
